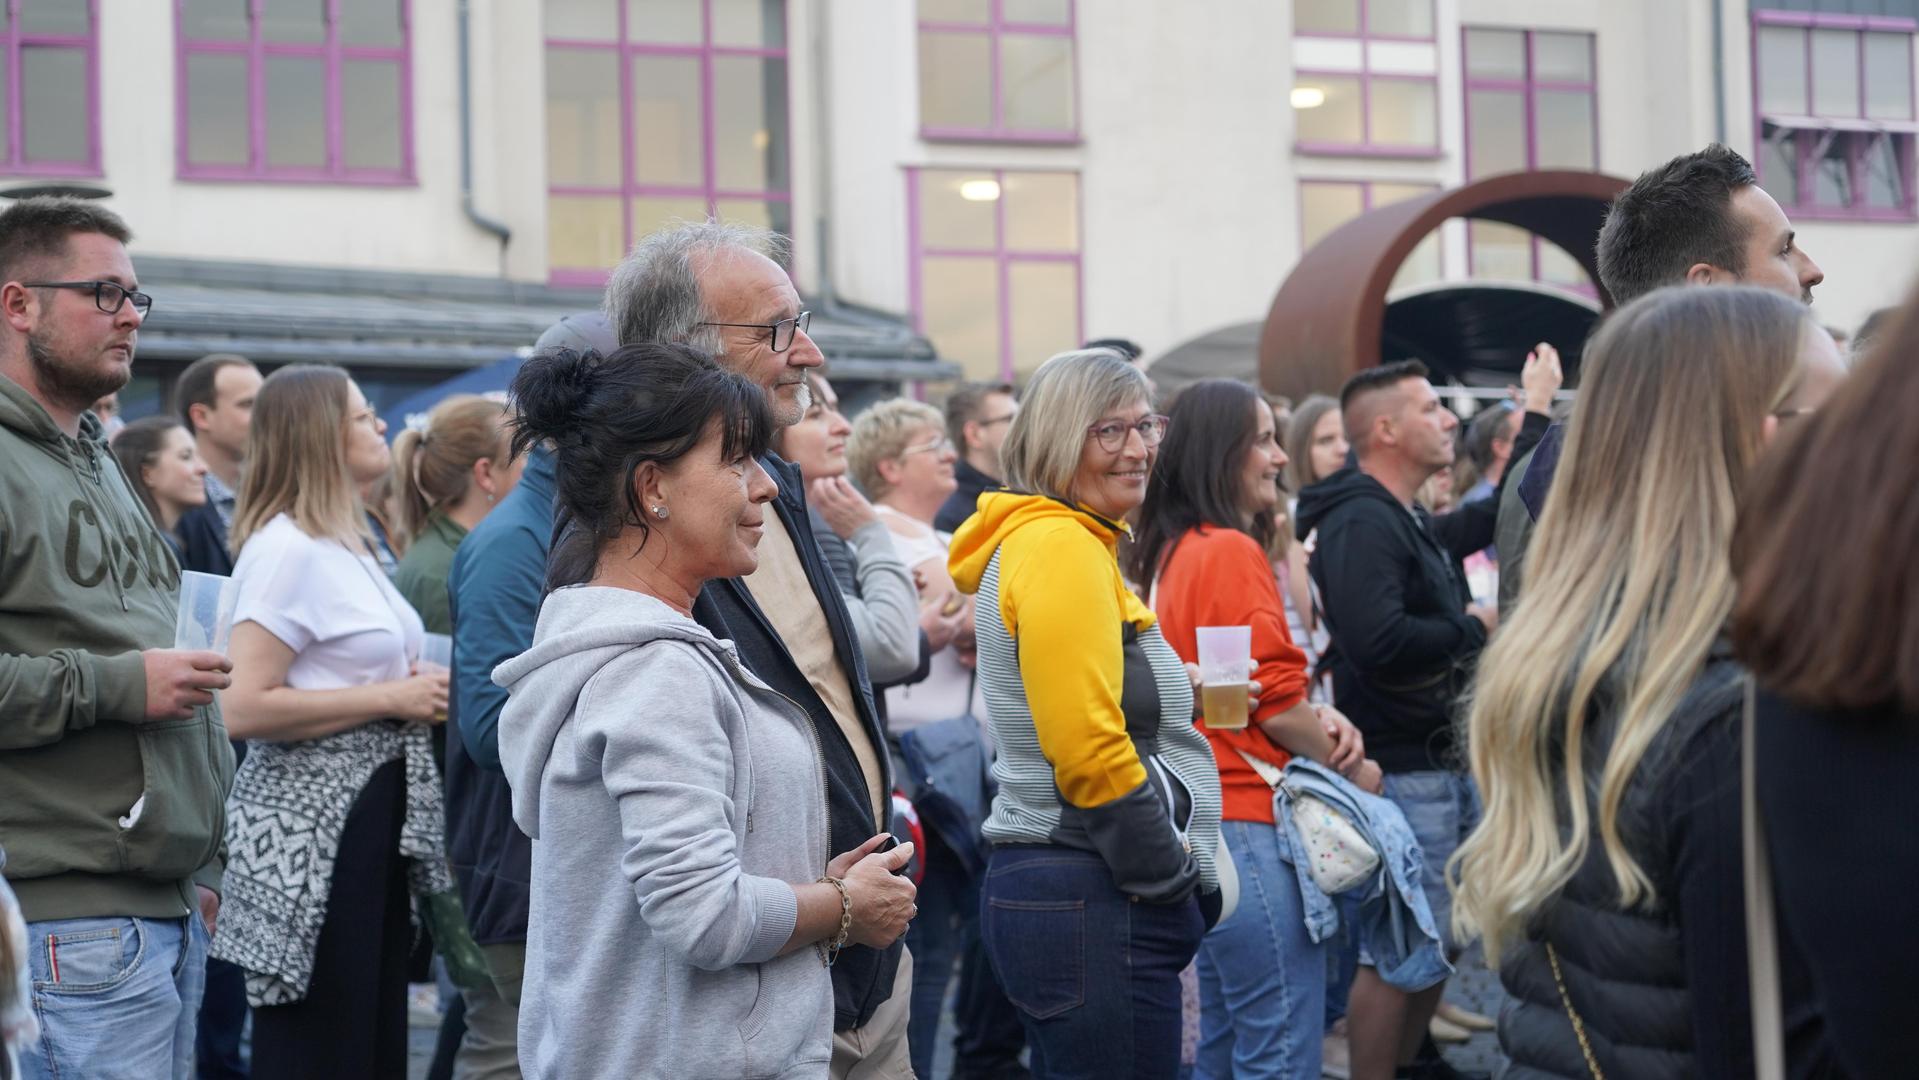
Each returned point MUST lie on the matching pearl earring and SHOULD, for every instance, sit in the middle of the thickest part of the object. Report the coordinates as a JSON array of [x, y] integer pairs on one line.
[[660, 512]]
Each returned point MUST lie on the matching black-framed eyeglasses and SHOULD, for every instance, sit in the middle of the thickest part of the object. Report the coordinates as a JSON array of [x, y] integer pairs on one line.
[[782, 331], [1112, 434], [107, 296]]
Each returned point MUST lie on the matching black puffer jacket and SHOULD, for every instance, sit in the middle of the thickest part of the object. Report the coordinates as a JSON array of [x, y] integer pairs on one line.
[[1662, 988]]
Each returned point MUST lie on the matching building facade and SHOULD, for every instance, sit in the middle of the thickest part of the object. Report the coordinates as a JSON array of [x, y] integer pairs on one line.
[[1007, 177]]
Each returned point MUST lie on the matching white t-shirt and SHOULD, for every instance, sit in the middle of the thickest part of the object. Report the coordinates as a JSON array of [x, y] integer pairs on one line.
[[345, 622], [943, 693]]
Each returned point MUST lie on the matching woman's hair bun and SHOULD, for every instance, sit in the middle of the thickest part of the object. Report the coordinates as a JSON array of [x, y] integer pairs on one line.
[[552, 390]]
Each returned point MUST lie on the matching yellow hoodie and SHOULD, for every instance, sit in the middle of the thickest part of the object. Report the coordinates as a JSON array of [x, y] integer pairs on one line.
[[1063, 601]]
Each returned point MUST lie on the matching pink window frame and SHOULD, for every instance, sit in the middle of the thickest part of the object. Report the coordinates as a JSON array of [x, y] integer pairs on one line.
[[994, 27], [707, 188], [1804, 160], [1366, 147], [14, 41], [1527, 86], [1003, 258], [1365, 202], [257, 49]]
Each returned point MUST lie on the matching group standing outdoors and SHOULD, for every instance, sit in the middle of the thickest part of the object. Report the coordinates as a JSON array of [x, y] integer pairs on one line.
[[706, 732]]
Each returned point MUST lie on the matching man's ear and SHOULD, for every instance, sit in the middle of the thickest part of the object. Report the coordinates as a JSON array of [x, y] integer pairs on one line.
[[1707, 274], [197, 417], [18, 306]]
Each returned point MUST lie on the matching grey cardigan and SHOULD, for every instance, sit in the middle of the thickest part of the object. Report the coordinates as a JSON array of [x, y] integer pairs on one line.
[[672, 800]]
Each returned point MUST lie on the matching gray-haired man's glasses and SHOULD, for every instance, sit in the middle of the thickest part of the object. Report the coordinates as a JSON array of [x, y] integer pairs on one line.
[[782, 332]]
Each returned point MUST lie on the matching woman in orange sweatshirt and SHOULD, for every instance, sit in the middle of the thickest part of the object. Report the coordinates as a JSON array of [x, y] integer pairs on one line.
[[1203, 531]]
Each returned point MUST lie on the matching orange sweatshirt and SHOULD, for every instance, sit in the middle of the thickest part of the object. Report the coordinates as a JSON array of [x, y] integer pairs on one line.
[[1220, 577]]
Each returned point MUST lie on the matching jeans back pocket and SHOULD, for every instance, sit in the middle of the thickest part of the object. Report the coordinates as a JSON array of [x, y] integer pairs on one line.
[[1039, 950]]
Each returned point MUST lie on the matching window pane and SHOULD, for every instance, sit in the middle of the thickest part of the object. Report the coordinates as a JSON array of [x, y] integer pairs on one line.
[[749, 123], [1496, 54], [1400, 18], [54, 17], [1044, 298], [370, 114], [53, 103], [1042, 211], [955, 81], [958, 11], [1885, 187], [1782, 71], [666, 120], [662, 22], [957, 209], [296, 111], [1832, 176], [1500, 252], [216, 110], [293, 21], [1325, 207], [582, 20], [1779, 166], [959, 311], [1564, 122], [1326, 17], [1336, 118], [371, 23], [1036, 81], [1562, 57], [582, 117], [1557, 267], [583, 231], [1495, 132], [1388, 194], [1835, 73], [753, 23], [651, 214], [1422, 266], [1405, 112], [1889, 76], [214, 20], [1035, 12], [776, 216]]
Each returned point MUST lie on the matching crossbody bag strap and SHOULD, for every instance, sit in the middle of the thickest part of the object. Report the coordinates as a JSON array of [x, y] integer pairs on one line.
[[1762, 939]]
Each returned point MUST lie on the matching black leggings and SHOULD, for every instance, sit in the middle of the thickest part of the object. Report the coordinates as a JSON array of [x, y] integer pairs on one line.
[[353, 1020]]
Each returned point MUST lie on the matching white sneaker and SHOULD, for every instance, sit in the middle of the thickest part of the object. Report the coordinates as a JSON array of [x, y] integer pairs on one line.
[[1443, 1030], [1335, 1057], [1459, 1016]]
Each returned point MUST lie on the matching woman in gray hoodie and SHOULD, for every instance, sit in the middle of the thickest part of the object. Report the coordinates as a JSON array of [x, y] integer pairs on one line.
[[684, 907]]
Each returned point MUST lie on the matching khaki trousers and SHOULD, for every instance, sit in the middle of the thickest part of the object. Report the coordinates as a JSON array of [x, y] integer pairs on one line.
[[878, 1050]]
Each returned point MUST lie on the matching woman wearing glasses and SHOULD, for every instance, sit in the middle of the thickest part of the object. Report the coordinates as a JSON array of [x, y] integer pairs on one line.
[[1105, 827]]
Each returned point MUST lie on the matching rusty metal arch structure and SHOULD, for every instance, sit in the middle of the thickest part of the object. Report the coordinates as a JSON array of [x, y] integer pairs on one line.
[[1326, 322]]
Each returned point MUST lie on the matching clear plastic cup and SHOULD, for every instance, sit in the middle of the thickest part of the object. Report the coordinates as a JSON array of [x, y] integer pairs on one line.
[[1225, 669], [437, 650], [205, 620]]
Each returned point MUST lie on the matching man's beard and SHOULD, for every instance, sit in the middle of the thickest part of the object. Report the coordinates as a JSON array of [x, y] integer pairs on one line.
[[784, 415], [71, 385]]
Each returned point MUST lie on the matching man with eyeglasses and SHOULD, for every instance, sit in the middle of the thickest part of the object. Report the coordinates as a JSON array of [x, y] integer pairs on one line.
[[978, 416], [114, 766], [721, 287]]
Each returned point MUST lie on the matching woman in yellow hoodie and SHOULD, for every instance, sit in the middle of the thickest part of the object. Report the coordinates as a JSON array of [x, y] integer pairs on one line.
[[1105, 826]]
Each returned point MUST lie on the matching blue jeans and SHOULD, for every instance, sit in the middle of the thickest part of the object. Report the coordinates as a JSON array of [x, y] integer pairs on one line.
[[1093, 972], [116, 997], [1262, 980], [1441, 807], [948, 902]]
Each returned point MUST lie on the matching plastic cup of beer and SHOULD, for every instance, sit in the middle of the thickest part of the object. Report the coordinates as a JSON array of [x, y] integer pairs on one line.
[[1225, 666], [437, 650], [205, 618]]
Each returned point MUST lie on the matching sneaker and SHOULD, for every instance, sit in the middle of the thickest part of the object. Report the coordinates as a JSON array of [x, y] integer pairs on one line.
[[1444, 1030], [1459, 1016], [1335, 1057]]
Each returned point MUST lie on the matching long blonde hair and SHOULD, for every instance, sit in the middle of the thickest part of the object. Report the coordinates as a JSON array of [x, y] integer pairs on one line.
[[433, 465], [296, 457], [1628, 583]]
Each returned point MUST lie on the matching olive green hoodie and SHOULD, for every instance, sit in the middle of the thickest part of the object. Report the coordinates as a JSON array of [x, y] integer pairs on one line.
[[101, 813]]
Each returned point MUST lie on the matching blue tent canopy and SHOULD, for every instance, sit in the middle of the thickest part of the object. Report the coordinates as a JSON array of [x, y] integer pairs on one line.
[[494, 378]]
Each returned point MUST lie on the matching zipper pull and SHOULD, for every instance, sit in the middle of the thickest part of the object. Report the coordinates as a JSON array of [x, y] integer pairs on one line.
[[123, 604]]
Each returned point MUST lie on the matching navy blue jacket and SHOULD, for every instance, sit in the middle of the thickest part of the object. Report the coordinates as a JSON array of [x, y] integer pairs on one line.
[[203, 542], [862, 977], [494, 590]]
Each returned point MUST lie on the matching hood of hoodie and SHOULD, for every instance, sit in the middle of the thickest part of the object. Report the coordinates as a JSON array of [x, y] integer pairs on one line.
[[581, 630], [1003, 513], [27, 418], [1317, 500]]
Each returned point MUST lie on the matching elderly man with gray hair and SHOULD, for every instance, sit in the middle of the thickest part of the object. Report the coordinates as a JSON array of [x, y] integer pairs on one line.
[[721, 287]]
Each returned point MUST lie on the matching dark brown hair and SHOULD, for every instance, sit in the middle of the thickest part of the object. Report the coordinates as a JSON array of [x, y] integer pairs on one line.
[[196, 384], [135, 446], [38, 228], [1827, 555], [1196, 479], [1674, 216]]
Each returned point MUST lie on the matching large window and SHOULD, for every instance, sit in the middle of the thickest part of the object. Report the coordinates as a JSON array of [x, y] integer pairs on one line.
[[1531, 103], [50, 86], [1325, 205], [295, 90], [995, 266], [1365, 77], [656, 111], [1835, 113], [997, 69]]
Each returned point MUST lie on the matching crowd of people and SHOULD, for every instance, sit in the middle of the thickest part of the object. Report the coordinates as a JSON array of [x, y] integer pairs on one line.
[[700, 730]]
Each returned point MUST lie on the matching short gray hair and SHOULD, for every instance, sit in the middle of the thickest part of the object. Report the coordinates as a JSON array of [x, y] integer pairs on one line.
[[654, 295], [1067, 395]]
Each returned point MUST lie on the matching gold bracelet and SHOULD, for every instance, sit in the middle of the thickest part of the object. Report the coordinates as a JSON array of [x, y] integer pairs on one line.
[[830, 950]]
